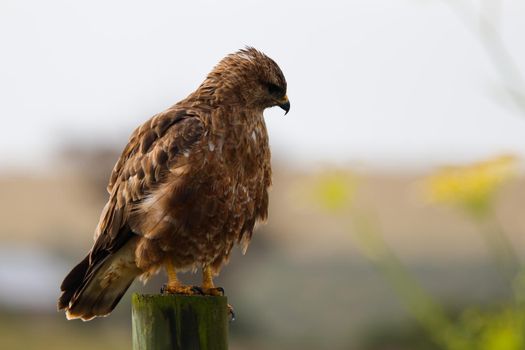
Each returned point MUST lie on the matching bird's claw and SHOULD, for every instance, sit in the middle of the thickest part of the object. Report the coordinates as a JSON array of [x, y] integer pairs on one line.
[[192, 290], [218, 291], [214, 292], [180, 290], [197, 290], [231, 313]]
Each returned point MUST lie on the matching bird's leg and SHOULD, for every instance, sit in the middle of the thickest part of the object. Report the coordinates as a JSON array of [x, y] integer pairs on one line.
[[208, 288], [174, 286]]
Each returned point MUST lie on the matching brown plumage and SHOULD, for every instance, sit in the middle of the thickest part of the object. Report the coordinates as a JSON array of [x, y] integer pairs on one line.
[[191, 182]]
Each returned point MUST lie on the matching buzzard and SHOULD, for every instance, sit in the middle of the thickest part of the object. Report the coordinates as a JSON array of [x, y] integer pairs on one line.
[[190, 184]]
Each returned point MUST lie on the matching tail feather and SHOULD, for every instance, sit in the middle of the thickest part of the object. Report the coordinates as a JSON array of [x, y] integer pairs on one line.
[[94, 288], [71, 282]]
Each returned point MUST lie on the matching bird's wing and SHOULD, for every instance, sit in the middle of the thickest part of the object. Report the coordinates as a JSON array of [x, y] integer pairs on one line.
[[154, 150]]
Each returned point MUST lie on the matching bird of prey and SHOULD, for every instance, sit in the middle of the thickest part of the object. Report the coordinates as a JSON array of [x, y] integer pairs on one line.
[[190, 184]]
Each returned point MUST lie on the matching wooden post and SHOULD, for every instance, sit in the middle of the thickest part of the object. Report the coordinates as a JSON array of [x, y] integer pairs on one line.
[[166, 322]]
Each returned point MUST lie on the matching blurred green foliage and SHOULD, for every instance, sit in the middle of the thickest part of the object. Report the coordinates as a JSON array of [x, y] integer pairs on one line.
[[473, 189]]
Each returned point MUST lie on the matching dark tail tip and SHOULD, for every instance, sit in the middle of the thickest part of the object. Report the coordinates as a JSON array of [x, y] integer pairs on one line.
[[72, 283]]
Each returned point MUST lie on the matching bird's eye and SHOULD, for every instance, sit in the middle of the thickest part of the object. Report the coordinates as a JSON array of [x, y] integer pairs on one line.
[[274, 89]]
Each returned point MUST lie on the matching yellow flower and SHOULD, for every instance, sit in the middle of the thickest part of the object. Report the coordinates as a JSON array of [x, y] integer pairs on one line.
[[500, 329], [471, 187], [331, 190]]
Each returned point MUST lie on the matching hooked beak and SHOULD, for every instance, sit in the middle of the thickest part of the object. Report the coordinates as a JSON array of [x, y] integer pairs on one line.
[[284, 104]]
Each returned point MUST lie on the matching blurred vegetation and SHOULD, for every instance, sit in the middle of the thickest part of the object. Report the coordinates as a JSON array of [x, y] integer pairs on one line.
[[34, 331], [473, 190], [483, 19]]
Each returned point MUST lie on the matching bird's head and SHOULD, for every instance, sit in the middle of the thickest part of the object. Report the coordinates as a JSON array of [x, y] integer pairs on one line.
[[251, 78]]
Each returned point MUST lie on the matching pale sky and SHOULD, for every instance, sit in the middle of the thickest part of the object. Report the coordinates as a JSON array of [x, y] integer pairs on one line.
[[370, 81]]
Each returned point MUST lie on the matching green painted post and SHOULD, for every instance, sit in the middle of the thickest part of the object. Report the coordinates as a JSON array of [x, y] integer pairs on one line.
[[166, 322]]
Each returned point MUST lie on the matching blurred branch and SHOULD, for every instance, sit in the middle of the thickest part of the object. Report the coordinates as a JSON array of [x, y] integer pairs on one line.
[[492, 10], [504, 254], [474, 329], [472, 188], [486, 28], [427, 312]]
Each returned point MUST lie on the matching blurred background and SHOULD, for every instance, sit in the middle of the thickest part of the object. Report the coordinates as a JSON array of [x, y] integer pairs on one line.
[[396, 219]]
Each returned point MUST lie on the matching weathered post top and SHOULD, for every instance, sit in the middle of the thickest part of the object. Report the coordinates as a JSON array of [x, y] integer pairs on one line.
[[179, 322]]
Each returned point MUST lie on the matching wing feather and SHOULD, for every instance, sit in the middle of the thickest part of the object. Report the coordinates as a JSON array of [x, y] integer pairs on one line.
[[153, 150]]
